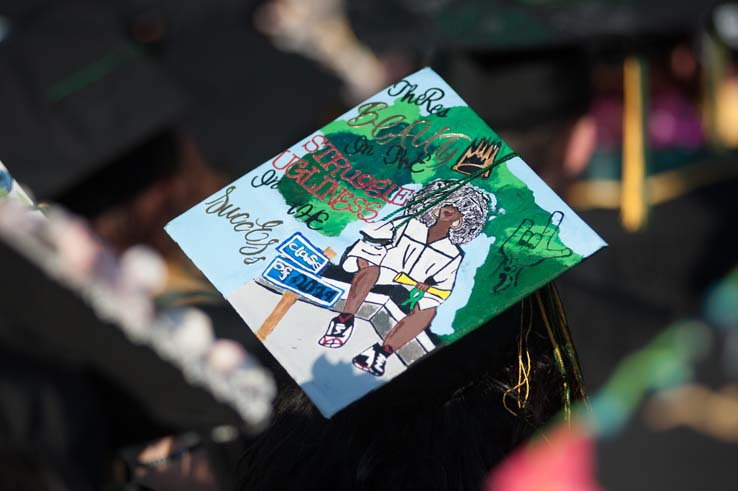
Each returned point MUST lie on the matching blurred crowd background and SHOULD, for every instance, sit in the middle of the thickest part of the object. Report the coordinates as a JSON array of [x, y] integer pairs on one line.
[[128, 112]]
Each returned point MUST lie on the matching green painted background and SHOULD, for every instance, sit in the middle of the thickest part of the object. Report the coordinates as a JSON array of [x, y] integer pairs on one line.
[[512, 195]]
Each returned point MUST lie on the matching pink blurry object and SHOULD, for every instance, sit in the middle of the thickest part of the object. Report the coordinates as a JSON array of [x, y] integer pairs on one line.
[[226, 355], [562, 462], [673, 122], [78, 249], [143, 269]]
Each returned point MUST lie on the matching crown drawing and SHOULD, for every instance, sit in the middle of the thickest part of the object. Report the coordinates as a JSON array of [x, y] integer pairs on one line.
[[479, 155]]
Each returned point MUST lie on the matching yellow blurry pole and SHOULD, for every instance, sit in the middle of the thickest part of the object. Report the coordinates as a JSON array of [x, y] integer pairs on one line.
[[633, 198]]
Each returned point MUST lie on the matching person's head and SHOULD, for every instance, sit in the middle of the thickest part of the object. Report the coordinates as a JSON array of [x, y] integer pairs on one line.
[[466, 208], [449, 214], [108, 147], [24, 468], [130, 199], [441, 425]]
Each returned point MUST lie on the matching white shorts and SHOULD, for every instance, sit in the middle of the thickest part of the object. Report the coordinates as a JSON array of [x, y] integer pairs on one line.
[[374, 255]]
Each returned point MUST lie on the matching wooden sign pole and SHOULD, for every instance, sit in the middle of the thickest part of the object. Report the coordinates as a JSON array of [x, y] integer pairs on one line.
[[285, 303]]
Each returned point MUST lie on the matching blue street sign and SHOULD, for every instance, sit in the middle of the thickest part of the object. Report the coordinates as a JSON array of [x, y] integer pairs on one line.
[[303, 253], [290, 276]]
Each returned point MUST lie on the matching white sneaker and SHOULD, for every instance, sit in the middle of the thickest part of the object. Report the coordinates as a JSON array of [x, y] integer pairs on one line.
[[371, 360], [339, 331]]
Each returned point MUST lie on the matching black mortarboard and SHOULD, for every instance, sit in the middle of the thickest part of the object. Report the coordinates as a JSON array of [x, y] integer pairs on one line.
[[521, 63], [76, 94], [505, 26]]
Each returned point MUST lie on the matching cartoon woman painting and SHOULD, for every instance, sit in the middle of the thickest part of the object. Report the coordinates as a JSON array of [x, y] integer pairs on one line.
[[419, 254]]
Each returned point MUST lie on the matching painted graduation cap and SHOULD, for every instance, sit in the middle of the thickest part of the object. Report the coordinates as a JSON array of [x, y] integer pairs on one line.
[[396, 229]]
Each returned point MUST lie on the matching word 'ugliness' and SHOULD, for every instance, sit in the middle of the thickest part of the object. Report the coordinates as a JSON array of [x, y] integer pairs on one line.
[[325, 180]]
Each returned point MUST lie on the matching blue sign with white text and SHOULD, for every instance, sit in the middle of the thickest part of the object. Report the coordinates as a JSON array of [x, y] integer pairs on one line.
[[290, 276], [304, 253]]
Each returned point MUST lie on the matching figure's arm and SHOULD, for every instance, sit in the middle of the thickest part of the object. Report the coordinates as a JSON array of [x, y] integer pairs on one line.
[[398, 233], [379, 232], [445, 279]]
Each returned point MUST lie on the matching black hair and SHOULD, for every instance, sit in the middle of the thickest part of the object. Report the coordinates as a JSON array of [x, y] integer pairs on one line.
[[441, 425], [23, 468], [123, 176]]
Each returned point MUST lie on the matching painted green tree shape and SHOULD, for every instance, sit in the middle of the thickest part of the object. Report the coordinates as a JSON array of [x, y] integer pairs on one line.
[[534, 262]]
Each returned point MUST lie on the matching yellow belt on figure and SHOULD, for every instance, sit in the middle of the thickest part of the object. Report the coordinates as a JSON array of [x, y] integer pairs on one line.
[[404, 279]]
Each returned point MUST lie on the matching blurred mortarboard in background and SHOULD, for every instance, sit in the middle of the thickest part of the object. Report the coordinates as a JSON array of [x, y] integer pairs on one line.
[[245, 98], [520, 63], [76, 95], [505, 26], [249, 100]]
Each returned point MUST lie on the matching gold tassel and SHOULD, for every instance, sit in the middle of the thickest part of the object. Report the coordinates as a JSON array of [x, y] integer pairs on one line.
[[564, 328], [633, 209], [522, 389], [557, 356]]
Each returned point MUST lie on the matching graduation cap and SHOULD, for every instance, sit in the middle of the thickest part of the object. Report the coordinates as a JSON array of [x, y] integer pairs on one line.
[[77, 96], [397, 229], [99, 312], [521, 64], [518, 25]]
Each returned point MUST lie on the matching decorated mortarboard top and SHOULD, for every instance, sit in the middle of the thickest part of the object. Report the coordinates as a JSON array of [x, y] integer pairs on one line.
[[105, 312], [396, 229]]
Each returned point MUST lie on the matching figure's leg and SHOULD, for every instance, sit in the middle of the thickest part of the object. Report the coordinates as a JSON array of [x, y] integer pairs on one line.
[[374, 358], [408, 328], [363, 282], [340, 327]]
